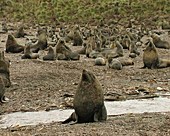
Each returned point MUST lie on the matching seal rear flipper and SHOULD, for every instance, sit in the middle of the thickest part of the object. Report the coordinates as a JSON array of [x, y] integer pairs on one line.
[[4, 99], [73, 117]]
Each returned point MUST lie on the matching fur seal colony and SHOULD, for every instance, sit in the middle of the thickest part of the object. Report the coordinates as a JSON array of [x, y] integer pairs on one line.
[[88, 101]]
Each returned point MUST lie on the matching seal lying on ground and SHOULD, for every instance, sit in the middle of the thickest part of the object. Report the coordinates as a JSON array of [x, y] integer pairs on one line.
[[160, 43], [12, 45], [88, 101]]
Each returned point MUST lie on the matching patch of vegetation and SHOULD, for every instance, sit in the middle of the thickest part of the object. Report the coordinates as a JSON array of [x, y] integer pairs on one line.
[[83, 11]]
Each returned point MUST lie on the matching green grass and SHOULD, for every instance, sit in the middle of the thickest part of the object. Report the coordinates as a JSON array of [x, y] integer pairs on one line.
[[82, 11]]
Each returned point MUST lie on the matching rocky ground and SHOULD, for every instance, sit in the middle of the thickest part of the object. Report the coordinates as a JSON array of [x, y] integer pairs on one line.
[[47, 85]]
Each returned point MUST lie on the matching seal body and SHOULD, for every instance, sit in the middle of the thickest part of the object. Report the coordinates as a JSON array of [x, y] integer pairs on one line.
[[2, 89], [12, 46], [150, 56], [88, 101]]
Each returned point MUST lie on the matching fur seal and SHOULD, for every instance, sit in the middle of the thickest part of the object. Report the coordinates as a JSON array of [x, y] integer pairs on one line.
[[20, 32], [133, 50], [63, 49], [115, 64], [163, 63], [28, 54], [88, 49], [82, 50], [100, 61], [12, 45], [160, 43], [150, 55], [51, 55], [110, 53], [119, 50], [76, 37], [126, 41], [126, 61], [41, 44], [88, 101]]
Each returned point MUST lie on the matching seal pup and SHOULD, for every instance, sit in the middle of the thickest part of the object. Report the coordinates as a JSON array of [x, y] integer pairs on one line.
[[115, 64], [126, 61], [150, 55], [88, 101], [100, 61], [12, 46]]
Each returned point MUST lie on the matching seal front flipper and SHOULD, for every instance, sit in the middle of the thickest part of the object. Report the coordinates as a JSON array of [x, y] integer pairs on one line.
[[100, 115], [73, 117]]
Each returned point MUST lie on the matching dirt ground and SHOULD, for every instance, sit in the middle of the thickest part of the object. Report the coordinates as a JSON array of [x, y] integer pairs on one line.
[[47, 85]]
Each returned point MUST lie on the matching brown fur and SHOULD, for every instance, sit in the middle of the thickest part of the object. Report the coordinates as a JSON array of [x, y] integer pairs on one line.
[[28, 54], [159, 43], [51, 55], [12, 45], [163, 63], [76, 37], [150, 56], [3, 58], [41, 44], [100, 61], [20, 32], [5, 73], [88, 49], [126, 41], [133, 48], [88, 100], [2, 89], [119, 50], [115, 64], [63, 49], [126, 61]]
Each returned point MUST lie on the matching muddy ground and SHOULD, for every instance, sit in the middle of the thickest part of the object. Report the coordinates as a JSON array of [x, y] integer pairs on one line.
[[47, 85]]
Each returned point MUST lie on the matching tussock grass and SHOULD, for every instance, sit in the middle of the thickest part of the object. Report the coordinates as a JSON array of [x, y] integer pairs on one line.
[[82, 11]]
